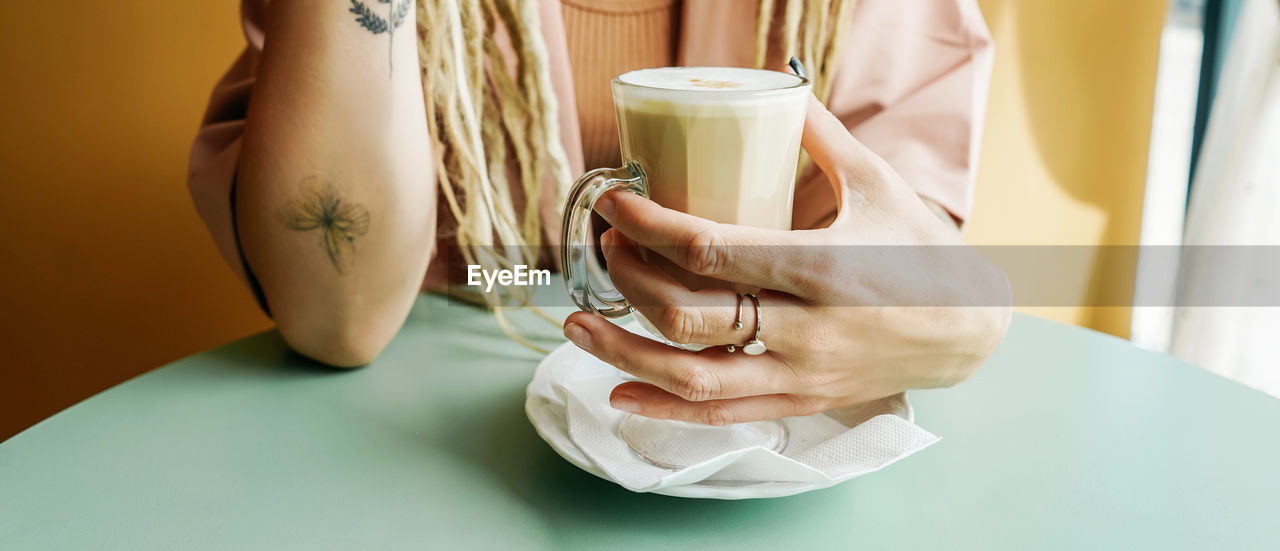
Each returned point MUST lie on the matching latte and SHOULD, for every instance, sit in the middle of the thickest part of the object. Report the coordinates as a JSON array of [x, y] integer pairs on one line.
[[719, 143], [715, 142]]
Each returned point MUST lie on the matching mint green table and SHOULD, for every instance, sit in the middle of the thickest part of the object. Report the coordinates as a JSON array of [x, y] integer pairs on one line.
[[1066, 439]]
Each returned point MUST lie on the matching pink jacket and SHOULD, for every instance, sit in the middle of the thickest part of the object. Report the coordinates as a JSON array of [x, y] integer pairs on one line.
[[912, 86]]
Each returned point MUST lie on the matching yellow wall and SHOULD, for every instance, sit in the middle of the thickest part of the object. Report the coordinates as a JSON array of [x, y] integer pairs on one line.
[[1065, 153], [107, 271]]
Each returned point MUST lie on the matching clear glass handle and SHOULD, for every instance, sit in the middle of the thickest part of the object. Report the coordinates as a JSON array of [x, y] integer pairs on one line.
[[582, 274]]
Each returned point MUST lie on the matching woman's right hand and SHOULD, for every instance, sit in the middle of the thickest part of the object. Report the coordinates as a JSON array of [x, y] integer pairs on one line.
[[886, 299]]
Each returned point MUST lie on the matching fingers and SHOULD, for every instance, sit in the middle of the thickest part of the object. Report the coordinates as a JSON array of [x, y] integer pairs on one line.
[[651, 401], [705, 316], [683, 316], [694, 376], [751, 256]]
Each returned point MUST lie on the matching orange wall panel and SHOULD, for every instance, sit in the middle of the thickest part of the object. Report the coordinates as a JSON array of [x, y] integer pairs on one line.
[[107, 270]]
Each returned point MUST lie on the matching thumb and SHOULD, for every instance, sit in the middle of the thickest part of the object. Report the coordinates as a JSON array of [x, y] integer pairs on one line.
[[827, 141]]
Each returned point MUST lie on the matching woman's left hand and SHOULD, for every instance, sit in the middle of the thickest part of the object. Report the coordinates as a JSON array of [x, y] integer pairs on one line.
[[884, 300]]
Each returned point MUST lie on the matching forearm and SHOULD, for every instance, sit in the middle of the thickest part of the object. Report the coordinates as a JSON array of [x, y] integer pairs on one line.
[[335, 194]]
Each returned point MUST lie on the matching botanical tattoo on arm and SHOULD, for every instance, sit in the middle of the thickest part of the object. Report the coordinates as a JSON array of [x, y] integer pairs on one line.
[[397, 12], [340, 222]]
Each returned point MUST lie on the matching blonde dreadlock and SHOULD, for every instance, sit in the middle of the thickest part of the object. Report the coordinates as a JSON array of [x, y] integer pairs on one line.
[[479, 108]]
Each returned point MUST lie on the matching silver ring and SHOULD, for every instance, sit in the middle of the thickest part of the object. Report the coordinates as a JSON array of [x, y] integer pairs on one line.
[[737, 324], [737, 320], [755, 346]]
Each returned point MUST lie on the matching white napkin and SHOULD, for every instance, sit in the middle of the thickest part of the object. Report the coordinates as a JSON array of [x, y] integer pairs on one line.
[[568, 402]]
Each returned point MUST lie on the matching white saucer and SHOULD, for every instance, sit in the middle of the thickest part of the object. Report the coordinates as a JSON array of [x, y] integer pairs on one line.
[[548, 416]]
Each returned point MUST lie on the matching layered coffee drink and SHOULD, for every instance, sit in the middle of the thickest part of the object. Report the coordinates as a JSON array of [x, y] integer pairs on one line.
[[719, 143]]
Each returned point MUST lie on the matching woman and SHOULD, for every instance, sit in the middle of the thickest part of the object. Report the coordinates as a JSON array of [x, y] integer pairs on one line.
[[368, 149]]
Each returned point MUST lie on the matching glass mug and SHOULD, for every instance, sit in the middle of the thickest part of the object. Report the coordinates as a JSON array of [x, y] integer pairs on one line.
[[714, 142]]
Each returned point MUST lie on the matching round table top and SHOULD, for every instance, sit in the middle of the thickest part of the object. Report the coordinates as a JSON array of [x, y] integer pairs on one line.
[[1066, 438]]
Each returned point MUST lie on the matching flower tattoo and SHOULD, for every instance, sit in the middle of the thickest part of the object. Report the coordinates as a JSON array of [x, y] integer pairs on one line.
[[340, 222]]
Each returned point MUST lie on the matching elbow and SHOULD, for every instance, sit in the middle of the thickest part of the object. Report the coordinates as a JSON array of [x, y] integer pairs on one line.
[[345, 343]]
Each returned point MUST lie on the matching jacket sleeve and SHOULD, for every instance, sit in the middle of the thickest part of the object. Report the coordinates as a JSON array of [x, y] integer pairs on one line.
[[912, 86], [216, 150]]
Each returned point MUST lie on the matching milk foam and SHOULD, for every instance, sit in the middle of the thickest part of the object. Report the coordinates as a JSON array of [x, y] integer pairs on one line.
[[710, 79], [709, 91]]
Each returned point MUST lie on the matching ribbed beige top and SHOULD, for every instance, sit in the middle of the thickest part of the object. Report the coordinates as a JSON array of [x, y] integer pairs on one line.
[[607, 38]]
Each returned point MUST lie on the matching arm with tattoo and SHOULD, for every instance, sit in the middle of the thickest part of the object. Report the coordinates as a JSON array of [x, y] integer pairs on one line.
[[335, 195]]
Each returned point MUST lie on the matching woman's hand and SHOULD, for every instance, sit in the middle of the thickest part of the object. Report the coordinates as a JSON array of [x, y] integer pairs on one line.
[[884, 300]]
